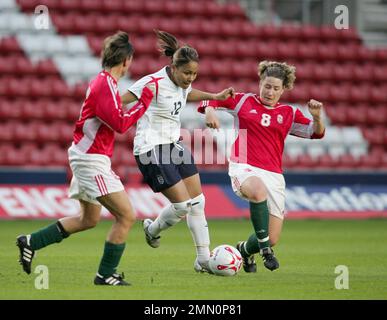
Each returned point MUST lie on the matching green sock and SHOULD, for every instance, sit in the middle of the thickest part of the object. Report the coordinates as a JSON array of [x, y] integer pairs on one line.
[[111, 258], [259, 214], [48, 235]]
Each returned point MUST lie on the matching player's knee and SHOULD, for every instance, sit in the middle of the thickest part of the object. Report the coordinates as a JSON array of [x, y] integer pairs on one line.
[[197, 205], [128, 219], [182, 208], [258, 195], [89, 222]]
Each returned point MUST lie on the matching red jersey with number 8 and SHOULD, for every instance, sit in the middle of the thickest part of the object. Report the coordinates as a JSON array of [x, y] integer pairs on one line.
[[261, 130]]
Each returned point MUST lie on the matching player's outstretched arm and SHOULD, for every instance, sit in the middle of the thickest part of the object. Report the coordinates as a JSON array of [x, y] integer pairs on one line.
[[197, 95], [127, 98], [315, 109]]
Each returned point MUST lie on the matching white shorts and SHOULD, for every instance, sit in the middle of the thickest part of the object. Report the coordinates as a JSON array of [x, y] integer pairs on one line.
[[274, 182], [92, 176]]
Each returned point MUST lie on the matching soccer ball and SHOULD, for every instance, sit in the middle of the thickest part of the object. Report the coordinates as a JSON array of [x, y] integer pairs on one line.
[[225, 260]]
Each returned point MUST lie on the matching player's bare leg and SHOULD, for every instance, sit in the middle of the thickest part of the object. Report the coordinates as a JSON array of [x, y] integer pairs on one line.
[[275, 229], [88, 218], [119, 206]]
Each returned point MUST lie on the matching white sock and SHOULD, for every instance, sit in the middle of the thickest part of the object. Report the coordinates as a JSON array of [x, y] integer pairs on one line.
[[169, 216], [197, 223]]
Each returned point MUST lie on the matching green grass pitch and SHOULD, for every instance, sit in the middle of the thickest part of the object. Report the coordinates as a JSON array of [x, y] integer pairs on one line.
[[308, 253]]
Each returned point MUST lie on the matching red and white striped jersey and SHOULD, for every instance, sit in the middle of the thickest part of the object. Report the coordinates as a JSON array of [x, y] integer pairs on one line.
[[261, 131], [101, 115]]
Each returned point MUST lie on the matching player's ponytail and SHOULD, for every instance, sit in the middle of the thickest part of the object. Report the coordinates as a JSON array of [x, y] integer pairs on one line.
[[169, 46], [279, 70], [116, 49]]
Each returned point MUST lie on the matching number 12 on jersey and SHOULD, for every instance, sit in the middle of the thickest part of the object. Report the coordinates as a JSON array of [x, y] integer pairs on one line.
[[177, 107]]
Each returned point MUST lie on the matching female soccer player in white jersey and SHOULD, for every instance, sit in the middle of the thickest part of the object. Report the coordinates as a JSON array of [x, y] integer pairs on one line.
[[167, 166], [255, 166], [94, 183]]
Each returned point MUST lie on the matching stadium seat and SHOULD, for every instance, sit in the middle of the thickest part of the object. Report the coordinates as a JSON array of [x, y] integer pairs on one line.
[[356, 116], [332, 66], [376, 115], [347, 161], [326, 51], [286, 50], [370, 161], [375, 136], [327, 162], [342, 72], [337, 114], [322, 72]]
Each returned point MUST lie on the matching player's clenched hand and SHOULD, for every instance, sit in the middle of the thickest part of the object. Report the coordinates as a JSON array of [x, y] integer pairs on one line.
[[315, 108], [225, 94], [212, 120]]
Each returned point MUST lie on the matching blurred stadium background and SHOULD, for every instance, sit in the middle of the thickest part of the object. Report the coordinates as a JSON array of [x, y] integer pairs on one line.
[[44, 75], [43, 79]]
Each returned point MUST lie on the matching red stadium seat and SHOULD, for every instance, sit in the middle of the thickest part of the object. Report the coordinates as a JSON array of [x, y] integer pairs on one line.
[[340, 93], [327, 162], [290, 31], [227, 49], [305, 161], [106, 24], [223, 68], [350, 36], [205, 69], [88, 6], [381, 55], [347, 161], [245, 49], [10, 46], [370, 161], [300, 93], [111, 6], [377, 115], [363, 72], [360, 93], [286, 50], [232, 10], [310, 32], [378, 95], [307, 50], [327, 51], [306, 71], [375, 136], [380, 72], [356, 116], [206, 47], [338, 114], [265, 50], [324, 71], [319, 92], [328, 33], [347, 52], [270, 32], [210, 27], [342, 72], [174, 8]]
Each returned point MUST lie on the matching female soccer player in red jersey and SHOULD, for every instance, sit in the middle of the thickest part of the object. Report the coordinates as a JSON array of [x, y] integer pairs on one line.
[[94, 183], [255, 166]]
